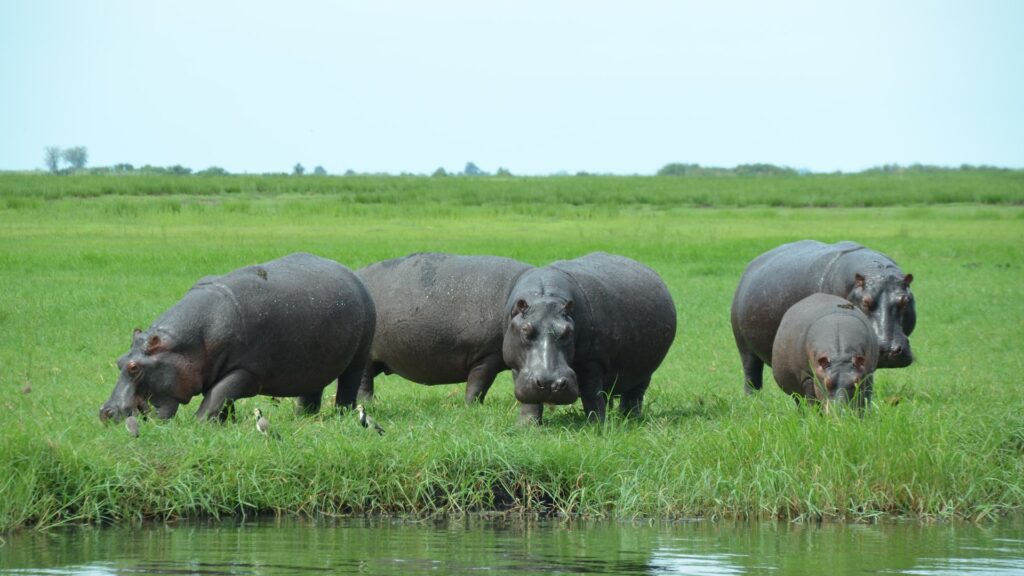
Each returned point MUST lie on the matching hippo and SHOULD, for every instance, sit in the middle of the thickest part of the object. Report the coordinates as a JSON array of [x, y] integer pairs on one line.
[[779, 278], [440, 319], [590, 328], [825, 351], [284, 328]]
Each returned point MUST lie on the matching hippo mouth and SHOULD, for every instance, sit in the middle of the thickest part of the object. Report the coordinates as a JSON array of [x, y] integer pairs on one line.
[[533, 395], [117, 413], [890, 359]]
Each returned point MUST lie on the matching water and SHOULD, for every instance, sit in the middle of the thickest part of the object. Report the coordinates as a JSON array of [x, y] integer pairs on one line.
[[474, 546]]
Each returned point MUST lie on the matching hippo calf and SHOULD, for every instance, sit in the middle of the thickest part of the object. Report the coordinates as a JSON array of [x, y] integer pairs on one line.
[[779, 278], [826, 351], [590, 328], [440, 319], [284, 328]]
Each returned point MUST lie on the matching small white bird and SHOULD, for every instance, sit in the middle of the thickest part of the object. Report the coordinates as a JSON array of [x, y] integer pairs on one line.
[[262, 424], [366, 422], [132, 424]]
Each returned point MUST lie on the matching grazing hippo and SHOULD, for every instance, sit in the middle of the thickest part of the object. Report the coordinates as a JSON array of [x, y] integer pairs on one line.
[[825, 350], [284, 328], [779, 278], [594, 327], [440, 319]]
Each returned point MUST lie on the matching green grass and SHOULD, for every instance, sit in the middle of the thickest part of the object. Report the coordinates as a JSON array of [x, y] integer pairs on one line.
[[81, 265]]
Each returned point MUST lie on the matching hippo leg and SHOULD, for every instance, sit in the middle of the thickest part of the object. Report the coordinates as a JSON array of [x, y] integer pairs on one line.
[[753, 371], [366, 380], [531, 413], [350, 383], [631, 402], [237, 384], [228, 411], [593, 392], [481, 376], [308, 404]]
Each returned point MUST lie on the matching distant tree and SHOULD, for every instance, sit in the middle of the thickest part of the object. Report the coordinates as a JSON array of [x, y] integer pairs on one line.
[[472, 170], [178, 170], [52, 158], [764, 170], [123, 167], [319, 171], [350, 172], [76, 156], [298, 170], [678, 169], [503, 172], [213, 171], [440, 172]]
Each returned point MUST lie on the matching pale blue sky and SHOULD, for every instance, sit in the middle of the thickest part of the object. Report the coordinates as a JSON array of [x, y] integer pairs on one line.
[[534, 86]]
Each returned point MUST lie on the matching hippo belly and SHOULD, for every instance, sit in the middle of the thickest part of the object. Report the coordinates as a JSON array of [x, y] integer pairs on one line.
[[439, 319]]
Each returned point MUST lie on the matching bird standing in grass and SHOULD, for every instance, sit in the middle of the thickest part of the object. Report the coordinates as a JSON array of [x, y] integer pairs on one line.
[[262, 424], [366, 422], [132, 424]]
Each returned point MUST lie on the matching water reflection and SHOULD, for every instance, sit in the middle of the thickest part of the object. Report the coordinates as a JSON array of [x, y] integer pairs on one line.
[[474, 546]]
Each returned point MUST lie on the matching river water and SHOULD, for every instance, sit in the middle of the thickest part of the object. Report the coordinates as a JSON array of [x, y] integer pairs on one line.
[[476, 546]]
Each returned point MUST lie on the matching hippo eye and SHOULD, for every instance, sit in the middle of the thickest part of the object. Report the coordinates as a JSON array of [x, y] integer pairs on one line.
[[566, 332], [133, 368], [868, 303], [904, 300], [824, 363]]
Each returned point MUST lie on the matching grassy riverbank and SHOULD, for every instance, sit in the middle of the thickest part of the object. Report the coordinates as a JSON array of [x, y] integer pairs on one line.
[[83, 260]]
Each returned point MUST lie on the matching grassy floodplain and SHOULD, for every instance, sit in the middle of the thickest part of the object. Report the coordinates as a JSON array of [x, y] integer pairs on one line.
[[84, 259]]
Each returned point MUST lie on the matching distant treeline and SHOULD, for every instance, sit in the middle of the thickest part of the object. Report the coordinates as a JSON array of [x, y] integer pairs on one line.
[[672, 169], [678, 169]]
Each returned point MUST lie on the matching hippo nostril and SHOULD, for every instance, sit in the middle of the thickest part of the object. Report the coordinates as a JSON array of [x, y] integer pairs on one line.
[[560, 384], [538, 383], [896, 350]]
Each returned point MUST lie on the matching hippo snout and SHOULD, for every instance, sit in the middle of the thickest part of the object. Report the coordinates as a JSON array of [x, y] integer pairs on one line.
[[534, 389], [109, 412], [557, 385], [895, 355]]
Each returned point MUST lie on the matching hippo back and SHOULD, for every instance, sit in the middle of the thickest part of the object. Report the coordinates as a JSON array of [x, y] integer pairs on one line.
[[775, 281], [278, 318], [438, 314]]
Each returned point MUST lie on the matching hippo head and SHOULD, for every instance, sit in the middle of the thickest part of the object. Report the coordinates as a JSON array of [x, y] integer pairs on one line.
[[842, 371], [840, 381], [539, 346], [889, 304], [153, 373]]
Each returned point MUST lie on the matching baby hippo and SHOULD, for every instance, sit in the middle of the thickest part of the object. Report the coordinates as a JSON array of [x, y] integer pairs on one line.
[[825, 351]]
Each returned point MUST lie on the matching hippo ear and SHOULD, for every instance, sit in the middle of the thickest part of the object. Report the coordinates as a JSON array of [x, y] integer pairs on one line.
[[519, 308], [136, 332], [907, 280], [568, 307], [824, 362], [858, 280], [154, 344]]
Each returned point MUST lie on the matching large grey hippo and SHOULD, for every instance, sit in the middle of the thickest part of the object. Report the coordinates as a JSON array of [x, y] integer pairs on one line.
[[440, 319], [284, 328], [826, 351], [594, 327], [779, 278]]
